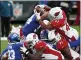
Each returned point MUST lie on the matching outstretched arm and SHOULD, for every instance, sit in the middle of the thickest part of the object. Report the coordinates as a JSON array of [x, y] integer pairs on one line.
[[37, 55], [41, 18], [44, 7], [43, 25]]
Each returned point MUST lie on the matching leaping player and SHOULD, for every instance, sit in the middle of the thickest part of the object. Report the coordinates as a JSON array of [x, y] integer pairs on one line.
[[43, 50], [58, 21]]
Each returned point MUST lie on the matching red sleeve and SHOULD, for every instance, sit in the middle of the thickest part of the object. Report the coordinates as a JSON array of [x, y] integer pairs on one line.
[[61, 22], [25, 44], [40, 45], [21, 33], [61, 32]]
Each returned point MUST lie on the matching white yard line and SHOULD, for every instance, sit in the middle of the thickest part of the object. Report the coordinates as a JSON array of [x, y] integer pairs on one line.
[[3, 38]]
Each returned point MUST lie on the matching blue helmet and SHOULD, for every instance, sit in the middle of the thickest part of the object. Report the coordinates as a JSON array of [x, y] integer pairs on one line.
[[44, 34], [13, 37]]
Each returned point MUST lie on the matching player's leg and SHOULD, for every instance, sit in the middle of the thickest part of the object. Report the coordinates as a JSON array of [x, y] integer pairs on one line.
[[2, 26], [74, 34], [76, 42], [51, 57], [7, 26], [62, 45], [75, 54], [59, 55], [67, 53], [55, 52]]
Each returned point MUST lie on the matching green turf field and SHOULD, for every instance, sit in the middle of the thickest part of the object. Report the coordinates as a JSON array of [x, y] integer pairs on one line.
[[77, 28], [4, 43]]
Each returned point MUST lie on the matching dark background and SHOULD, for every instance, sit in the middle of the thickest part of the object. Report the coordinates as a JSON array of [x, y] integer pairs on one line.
[[28, 6]]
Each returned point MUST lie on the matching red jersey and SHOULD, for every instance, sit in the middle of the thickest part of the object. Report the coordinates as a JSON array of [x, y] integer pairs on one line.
[[48, 50], [63, 27]]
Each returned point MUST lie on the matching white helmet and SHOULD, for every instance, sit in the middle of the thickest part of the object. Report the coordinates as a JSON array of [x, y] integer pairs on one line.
[[32, 39], [56, 13]]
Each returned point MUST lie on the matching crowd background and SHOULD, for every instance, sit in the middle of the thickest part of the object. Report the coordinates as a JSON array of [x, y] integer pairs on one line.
[[72, 9]]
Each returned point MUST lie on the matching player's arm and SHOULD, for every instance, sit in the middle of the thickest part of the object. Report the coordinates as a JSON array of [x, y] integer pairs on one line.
[[39, 52], [47, 8], [37, 12], [41, 18], [4, 55], [42, 7], [43, 25], [36, 56]]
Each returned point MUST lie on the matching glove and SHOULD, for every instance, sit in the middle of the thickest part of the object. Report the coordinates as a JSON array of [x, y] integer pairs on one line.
[[37, 14], [24, 50]]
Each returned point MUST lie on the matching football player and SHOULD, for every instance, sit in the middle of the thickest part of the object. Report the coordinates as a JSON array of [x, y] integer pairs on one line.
[[58, 21], [32, 24], [42, 49], [12, 52]]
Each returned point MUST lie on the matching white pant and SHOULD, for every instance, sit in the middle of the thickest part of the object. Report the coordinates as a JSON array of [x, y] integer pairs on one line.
[[74, 54], [50, 56]]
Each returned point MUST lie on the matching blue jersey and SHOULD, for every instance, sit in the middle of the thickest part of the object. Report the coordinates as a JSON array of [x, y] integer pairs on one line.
[[30, 26], [14, 51], [75, 43]]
